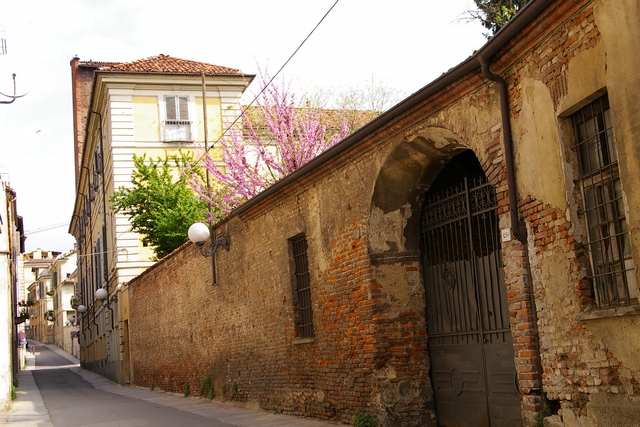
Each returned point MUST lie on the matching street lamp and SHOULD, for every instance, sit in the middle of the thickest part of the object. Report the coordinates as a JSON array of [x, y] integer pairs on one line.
[[82, 309], [199, 234], [101, 294]]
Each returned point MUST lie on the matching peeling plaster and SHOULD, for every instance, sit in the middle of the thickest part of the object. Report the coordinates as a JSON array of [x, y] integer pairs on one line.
[[402, 287], [386, 230]]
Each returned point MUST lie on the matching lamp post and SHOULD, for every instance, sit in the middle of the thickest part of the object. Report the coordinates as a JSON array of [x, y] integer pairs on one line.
[[82, 309], [199, 233], [102, 294]]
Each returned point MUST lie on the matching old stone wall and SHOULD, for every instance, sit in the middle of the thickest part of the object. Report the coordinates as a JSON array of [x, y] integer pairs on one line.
[[241, 333], [583, 356], [360, 213]]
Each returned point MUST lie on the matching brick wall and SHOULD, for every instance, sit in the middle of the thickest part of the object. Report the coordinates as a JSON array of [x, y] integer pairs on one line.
[[81, 85], [241, 333], [359, 213]]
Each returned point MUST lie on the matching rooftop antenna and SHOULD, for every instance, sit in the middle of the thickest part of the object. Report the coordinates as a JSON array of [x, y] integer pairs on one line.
[[3, 51]]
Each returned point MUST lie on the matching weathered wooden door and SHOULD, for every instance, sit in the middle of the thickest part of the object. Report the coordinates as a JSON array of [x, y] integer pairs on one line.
[[470, 345]]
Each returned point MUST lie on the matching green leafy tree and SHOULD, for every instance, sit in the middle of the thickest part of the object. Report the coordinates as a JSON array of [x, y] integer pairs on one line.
[[161, 204], [494, 14]]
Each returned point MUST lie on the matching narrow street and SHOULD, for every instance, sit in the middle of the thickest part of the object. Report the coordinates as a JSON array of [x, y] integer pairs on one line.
[[55, 391]]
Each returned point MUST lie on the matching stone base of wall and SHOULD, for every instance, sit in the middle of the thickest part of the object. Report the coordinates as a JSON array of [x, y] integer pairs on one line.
[[605, 410], [103, 367]]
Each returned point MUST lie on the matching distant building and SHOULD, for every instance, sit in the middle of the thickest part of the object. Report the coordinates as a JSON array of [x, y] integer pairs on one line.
[[36, 280], [11, 320], [64, 299], [152, 106]]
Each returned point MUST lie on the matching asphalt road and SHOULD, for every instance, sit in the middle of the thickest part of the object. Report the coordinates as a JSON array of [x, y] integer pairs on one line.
[[72, 401]]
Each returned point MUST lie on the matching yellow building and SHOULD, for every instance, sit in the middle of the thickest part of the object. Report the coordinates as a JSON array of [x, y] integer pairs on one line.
[[152, 106], [62, 285], [36, 280]]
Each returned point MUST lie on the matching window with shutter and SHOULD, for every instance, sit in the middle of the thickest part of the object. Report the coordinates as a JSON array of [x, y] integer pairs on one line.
[[177, 126]]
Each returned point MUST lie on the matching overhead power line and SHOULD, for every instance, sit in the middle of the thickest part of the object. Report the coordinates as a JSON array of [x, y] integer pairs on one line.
[[255, 98], [48, 227]]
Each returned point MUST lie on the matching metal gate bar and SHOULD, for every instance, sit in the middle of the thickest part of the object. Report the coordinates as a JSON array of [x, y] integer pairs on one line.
[[470, 345]]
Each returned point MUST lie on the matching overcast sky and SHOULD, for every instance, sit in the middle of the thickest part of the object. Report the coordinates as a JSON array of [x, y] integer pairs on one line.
[[405, 44]]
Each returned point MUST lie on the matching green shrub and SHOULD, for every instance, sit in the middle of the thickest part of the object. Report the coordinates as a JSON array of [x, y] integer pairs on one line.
[[187, 389], [14, 386], [364, 419], [207, 387], [544, 412]]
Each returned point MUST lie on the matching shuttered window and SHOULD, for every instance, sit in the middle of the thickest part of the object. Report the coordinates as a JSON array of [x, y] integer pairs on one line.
[[177, 126]]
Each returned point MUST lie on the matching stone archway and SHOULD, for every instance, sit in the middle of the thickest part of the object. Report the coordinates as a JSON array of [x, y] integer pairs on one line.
[[397, 198], [402, 382], [397, 258]]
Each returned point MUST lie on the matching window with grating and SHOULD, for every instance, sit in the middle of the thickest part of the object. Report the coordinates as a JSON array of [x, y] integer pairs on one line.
[[177, 126], [303, 310], [613, 274]]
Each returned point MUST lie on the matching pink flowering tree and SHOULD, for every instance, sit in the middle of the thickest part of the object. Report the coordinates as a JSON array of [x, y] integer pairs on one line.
[[277, 136]]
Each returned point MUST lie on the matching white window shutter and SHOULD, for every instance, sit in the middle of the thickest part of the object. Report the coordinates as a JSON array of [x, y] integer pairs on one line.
[[170, 102], [184, 108]]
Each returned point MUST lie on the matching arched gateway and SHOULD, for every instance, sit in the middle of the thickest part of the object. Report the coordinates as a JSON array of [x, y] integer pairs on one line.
[[470, 346]]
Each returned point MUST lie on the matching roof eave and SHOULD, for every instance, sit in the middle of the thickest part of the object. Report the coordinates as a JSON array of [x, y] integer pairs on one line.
[[488, 50]]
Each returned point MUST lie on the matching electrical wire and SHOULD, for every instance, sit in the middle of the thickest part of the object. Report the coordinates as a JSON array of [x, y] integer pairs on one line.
[[255, 98]]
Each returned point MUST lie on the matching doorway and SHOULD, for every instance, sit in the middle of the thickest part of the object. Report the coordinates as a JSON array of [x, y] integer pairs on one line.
[[470, 345]]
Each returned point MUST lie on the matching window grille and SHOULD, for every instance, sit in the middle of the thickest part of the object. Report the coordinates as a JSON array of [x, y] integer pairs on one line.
[[613, 274], [303, 310], [177, 126]]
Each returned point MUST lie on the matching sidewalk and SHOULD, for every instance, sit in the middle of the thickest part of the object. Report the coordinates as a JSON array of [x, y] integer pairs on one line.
[[28, 410]]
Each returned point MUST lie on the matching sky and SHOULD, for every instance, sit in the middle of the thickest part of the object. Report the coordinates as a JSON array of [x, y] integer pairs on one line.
[[403, 44]]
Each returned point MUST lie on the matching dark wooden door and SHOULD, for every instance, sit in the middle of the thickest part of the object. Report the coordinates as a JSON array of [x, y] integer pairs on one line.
[[470, 345]]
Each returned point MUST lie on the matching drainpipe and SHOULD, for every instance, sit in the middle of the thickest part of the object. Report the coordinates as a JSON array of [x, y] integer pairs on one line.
[[508, 147], [516, 233], [105, 257]]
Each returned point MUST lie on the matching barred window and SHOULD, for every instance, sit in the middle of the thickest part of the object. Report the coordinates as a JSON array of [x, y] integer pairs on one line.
[[302, 295], [613, 274]]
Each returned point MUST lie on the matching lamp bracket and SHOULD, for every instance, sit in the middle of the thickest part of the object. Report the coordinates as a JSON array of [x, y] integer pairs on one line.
[[220, 241]]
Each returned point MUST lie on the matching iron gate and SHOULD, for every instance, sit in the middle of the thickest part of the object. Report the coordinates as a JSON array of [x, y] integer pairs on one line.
[[470, 345]]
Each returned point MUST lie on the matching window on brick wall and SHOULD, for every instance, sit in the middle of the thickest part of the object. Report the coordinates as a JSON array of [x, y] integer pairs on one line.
[[613, 275], [302, 283], [177, 126]]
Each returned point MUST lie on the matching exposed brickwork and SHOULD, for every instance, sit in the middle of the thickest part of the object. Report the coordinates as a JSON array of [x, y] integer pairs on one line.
[[81, 85], [370, 351], [549, 60], [241, 333], [575, 364]]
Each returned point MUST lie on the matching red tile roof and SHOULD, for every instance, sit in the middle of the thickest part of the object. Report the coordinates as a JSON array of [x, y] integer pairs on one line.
[[163, 64]]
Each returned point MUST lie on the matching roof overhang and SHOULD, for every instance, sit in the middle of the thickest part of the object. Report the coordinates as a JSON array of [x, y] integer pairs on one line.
[[526, 16]]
